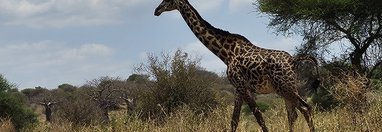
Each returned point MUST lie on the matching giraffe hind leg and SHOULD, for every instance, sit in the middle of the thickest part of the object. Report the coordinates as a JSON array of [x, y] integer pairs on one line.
[[294, 101], [306, 110], [288, 90], [292, 114]]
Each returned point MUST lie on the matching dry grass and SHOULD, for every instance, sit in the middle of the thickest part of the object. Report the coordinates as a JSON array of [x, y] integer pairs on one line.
[[6, 126], [219, 120]]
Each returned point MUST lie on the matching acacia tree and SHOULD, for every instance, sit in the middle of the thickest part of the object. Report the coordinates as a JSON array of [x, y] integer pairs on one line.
[[356, 24], [104, 92]]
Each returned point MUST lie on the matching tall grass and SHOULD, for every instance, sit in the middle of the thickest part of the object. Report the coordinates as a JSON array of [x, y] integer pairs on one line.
[[6, 125], [185, 120]]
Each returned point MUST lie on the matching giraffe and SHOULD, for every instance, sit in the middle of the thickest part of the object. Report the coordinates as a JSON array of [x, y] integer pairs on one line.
[[250, 69]]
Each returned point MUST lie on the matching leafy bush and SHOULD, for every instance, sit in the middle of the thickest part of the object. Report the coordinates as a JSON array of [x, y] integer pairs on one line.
[[376, 84], [260, 105], [176, 81], [12, 106], [78, 109], [323, 99]]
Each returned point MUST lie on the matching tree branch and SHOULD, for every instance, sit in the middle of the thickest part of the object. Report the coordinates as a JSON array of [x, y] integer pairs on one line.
[[372, 35], [347, 32]]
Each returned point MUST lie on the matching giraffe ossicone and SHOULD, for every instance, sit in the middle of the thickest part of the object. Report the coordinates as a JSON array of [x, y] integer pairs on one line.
[[250, 69]]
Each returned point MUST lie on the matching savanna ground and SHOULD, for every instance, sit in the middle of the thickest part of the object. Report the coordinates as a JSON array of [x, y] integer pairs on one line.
[[338, 120]]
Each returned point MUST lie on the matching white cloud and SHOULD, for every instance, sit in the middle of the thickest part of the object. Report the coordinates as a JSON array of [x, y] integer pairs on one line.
[[206, 5], [63, 13], [287, 44], [49, 63], [201, 6], [239, 4], [86, 51], [49, 53]]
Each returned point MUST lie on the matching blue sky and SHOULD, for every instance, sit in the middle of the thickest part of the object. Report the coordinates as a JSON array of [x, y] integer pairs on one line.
[[50, 42]]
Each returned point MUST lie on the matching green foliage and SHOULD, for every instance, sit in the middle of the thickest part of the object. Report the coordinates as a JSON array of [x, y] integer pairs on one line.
[[138, 78], [67, 88], [377, 73], [376, 84], [323, 22], [307, 9], [12, 106], [263, 107], [36, 94], [177, 81], [324, 100], [296, 11]]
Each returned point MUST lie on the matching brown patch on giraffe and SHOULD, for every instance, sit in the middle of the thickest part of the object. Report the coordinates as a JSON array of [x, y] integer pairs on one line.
[[210, 38], [266, 86], [229, 41], [226, 46], [203, 32], [214, 43], [222, 40], [224, 53]]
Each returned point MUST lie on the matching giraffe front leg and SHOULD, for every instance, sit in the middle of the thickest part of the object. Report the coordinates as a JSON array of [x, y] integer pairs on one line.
[[237, 79], [306, 110], [236, 112]]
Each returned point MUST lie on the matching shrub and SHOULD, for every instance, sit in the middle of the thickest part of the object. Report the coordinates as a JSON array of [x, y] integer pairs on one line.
[[323, 99], [13, 106], [176, 81], [263, 107], [78, 109], [377, 84], [351, 90]]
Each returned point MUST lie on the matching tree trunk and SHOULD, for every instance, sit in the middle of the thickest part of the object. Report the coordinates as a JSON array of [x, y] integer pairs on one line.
[[356, 60], [105, 116]]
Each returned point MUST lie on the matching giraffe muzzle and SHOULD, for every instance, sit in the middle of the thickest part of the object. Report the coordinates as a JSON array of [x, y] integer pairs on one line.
[[157, 12]]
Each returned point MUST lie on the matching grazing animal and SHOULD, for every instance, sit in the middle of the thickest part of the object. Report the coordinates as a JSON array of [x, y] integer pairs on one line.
[[250, 69], [48, 110]]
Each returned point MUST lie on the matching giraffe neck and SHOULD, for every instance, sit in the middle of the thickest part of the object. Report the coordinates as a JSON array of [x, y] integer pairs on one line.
[[219, 42]]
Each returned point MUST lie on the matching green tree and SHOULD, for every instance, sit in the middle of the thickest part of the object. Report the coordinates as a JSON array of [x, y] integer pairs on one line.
[[67, 88], [138, 78], [326, 22], [34, 95], [12, 105]]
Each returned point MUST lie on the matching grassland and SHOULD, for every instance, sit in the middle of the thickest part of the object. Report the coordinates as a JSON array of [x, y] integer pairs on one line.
[[338, 120]]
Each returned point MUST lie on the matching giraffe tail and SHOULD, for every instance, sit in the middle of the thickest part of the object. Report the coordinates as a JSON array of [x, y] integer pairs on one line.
[[297, 61], [310, 58]]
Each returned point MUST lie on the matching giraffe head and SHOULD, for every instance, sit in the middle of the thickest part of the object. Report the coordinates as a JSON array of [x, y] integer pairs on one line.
[[167, 5]]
